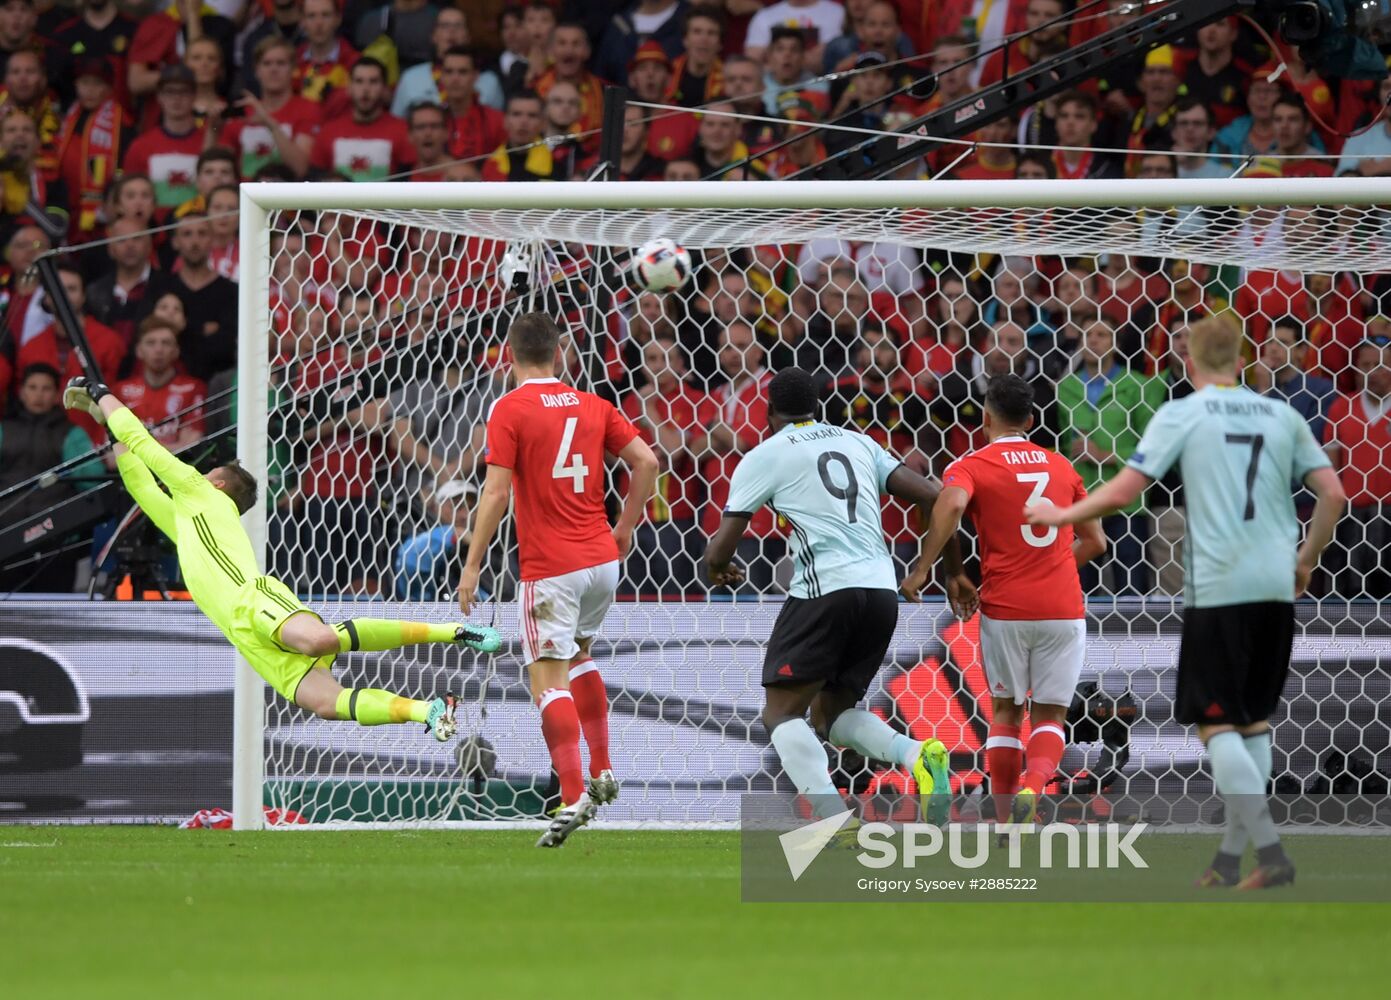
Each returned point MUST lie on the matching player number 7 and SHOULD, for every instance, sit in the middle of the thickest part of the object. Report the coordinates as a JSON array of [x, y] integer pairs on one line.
[[1040, 481], [576, 470]]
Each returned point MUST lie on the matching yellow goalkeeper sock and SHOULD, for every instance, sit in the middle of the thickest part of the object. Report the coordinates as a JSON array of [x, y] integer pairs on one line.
[[374, 707], [370, 635]]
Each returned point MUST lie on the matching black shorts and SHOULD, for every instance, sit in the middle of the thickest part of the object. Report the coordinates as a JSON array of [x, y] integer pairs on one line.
[[840, 639], [1233, 662]]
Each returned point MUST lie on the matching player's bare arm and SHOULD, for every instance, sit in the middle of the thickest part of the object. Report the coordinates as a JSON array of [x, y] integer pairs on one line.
[[905, 484], [642, 469], [1120, 492], [1088, 541], [1329, 505], [719, 554], [492, 505]]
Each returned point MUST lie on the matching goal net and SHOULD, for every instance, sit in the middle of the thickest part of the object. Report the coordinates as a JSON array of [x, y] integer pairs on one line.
[[373, 320]]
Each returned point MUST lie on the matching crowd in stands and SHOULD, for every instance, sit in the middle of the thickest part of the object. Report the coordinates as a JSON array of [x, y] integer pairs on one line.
[[125, 129]]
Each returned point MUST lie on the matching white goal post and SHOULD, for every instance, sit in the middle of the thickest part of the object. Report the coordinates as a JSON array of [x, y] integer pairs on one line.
[[973, 233]]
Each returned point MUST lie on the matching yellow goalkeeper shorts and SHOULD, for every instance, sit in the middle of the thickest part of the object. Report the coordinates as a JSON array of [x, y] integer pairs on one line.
[[263, 605]]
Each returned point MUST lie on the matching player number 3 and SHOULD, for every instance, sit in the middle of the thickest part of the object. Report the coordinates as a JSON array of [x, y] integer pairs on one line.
[[569, 466], [1040, 481]]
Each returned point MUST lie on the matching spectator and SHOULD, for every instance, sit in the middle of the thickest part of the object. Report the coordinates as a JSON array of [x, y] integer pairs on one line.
[[783, 74], [635, 162], [475, 129], [1193, 133], [224, 204], [802, 153], [408, 25], [638, 22], [1104, 408], [325, 59], [697, 72], [209, 343], [1253, 134], [366, 143], [512, 33], [283, 20], [162, 38], [1166, 496], [538, 23], [169, 404], [26, 89], [98, 32], [216, 167], [681, 170], [277, 127], [1076, 121], [562, 112], [994, 159], [569, 54], [422, 83], [668, 135], [1212, 78], [719, 147], [876, 30], [168, 153], [1369, 154], [37, 437], [20, 294], [126, 294], [428, 127], [882, 267], [1150, 127], [17, 22], [1039, 44], [952, 62], [863, 101], [205, 59], [670, 414], [1279, 372], [52, 347], [842, 305], [522, 157], [93, 135], [1290, 119], [427, 564], [743, 86], [741, 407], [1358, 437], [26, 192], [819, 21]]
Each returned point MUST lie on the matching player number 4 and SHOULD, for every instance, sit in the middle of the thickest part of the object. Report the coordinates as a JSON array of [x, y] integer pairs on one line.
[[1040, 481], [569, 466]]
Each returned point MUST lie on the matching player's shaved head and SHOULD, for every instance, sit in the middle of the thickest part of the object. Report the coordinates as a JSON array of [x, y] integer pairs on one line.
[[533, 338], [237, 483], [1011, 400], [1214, 344], [793, 394]]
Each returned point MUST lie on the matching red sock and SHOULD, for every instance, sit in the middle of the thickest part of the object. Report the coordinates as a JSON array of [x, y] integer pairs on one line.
[[561, 728], [1046, 746], [592, 704], [1004, 756]]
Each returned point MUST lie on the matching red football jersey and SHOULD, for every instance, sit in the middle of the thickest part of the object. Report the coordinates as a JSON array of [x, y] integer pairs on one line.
[[553, 438], [1028, 572], [155, 406]]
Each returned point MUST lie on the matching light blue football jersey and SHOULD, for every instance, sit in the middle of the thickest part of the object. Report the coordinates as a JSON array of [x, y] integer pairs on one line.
[[826, 482], [1239, 454]]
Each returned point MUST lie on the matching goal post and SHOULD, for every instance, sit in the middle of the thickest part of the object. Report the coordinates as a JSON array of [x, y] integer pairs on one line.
[[896, 292]]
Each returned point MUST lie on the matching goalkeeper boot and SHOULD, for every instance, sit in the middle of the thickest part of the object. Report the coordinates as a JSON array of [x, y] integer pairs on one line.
[[1268, 876], [567, 820], [1025, 806], [1215, 878], [847, 837], [934, 783], [603, 788], [440, 721], [483, 638]]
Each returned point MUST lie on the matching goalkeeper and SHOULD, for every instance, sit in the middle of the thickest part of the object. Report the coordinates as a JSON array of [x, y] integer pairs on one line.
[[285, 642]]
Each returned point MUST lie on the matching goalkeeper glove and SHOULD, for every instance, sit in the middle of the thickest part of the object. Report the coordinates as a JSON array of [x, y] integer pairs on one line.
[[84, 394]]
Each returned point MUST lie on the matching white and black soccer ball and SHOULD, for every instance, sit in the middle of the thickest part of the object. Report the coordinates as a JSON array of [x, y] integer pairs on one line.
[[661, 266]]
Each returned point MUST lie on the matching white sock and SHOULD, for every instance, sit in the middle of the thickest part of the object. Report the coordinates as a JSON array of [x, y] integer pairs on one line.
[[870, 735], [804, 758], [1242, 787]]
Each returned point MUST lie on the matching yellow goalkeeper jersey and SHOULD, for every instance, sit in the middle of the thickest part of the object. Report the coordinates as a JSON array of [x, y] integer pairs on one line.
[[215, 554]]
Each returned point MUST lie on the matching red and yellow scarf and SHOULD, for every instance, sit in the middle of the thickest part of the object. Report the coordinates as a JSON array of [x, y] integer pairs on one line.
[[101, 146], [714, 81]]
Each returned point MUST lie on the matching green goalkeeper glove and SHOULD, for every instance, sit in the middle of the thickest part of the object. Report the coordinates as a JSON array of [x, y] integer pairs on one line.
[[84, 394]]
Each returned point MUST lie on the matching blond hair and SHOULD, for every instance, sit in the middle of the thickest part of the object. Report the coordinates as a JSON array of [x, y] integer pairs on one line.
[[1215, 344]]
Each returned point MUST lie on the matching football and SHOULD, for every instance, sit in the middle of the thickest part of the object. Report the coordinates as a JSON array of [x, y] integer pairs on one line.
[[660, 266]]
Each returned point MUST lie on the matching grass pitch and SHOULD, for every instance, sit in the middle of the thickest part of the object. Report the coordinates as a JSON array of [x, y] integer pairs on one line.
[[156, 912]]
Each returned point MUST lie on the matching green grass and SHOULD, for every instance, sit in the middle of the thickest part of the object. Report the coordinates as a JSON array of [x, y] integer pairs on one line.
[[153, 912]]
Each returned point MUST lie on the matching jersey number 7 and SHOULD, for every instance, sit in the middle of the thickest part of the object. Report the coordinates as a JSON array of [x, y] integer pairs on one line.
[[575, 470]]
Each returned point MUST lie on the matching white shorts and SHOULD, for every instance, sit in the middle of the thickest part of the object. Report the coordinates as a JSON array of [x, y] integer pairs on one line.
[[559, 610], [1041, 660]]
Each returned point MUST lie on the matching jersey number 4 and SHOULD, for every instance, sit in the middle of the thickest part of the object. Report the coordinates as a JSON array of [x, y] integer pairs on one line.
[[1040, 483], [569, 466]]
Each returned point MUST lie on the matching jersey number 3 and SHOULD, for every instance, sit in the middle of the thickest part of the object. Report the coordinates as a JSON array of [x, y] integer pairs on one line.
[[1040, 481], [569, 466]]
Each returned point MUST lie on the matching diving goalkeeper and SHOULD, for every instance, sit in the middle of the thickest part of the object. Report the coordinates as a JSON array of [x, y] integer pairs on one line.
[[285, 642]]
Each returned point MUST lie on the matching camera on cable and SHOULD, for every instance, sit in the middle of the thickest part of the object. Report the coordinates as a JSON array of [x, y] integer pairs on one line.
[[660, 266]]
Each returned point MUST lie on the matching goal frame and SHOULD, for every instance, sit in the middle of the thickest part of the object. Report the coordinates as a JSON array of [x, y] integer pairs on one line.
[[260, 200]]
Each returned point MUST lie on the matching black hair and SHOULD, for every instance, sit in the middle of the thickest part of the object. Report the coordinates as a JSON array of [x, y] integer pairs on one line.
[[533, 338], [793, 393], [369, 62], [1011, 399], [1290, 323], [239, 484], [40, 368]]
